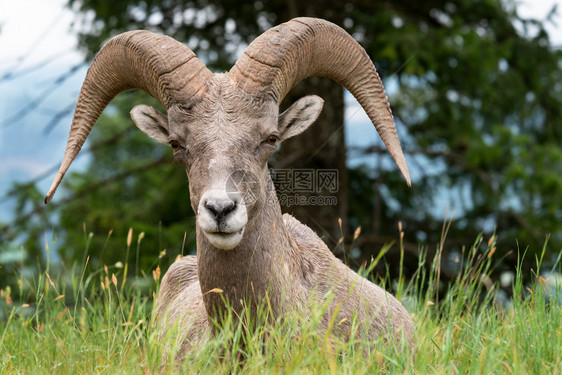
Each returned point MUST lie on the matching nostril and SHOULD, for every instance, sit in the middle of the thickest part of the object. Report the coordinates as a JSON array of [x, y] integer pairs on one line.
[[220, 209], [211, 207], [229, 207]]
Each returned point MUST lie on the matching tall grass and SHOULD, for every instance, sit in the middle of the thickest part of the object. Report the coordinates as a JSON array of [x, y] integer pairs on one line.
[[98, 324]]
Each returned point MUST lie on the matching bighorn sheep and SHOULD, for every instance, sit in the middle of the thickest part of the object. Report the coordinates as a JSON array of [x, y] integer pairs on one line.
[[222, 124]]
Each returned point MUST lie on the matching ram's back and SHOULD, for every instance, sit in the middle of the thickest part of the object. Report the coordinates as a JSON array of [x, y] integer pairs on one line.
[[380, 314]]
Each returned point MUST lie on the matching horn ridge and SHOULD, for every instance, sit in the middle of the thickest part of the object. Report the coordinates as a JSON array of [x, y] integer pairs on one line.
[[288, 53], [163, 67]]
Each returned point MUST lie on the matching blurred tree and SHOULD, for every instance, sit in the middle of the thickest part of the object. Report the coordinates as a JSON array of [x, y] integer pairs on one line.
[[476, 91], [131, 183]]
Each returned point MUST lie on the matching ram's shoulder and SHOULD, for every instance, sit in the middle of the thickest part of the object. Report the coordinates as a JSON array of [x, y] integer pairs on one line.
[[181, 274], [303, 235]]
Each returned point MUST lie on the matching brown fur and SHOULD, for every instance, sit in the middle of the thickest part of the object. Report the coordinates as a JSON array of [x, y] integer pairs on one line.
[[316, 269], [223, 129], [277, 253]]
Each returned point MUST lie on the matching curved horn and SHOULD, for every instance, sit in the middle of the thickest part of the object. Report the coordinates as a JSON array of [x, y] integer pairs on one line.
[[303, 47], [157, 64]]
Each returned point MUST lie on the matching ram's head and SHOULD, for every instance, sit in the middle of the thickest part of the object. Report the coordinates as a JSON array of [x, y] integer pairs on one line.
[[224, 127]]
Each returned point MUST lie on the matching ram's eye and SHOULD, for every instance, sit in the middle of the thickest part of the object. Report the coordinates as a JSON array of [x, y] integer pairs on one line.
[[272, 139], [175, 145]]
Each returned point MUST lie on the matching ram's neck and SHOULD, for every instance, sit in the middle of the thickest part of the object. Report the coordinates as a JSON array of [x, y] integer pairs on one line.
[[264, 262]]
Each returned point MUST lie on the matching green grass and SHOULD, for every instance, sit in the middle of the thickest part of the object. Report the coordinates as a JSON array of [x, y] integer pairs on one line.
[[98, 324]]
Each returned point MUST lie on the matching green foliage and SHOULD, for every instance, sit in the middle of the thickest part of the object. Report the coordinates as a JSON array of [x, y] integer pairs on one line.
[[74, 323], [477, 97], [478, 103], [476, 94]]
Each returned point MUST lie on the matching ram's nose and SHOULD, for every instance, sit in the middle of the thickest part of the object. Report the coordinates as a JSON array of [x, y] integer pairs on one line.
[[221, 210], [222, 218], [220, 207]]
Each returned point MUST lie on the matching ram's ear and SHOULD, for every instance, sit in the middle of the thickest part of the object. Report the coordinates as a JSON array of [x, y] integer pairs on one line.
[[151, 122], [299, 116]]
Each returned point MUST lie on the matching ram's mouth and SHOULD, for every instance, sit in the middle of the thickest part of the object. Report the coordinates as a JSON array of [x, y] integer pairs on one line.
[[224, 234], [225, 240]]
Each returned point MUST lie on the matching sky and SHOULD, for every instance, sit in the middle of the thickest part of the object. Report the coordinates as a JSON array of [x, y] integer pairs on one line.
[[37, 46]]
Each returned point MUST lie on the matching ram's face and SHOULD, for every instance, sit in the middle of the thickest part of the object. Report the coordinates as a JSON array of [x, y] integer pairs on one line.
[[224, 143]]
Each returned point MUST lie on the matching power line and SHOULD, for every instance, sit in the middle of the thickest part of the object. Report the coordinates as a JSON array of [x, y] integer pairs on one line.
[[57, 117], [26, 110], [11, 231], [53, 169], [25, 55], [13, 74]]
